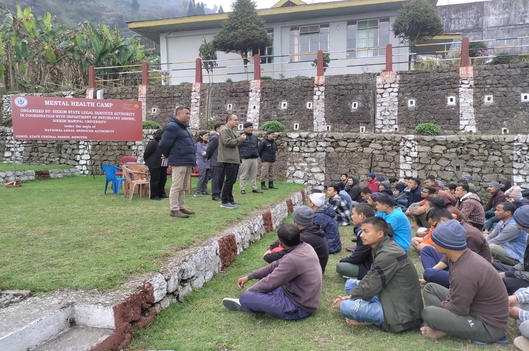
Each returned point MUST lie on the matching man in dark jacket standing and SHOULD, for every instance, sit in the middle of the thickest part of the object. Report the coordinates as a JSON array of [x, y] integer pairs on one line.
[[249, 154], [267, 153], [178, 146], [230, 158], [217, 168], [157, 170]]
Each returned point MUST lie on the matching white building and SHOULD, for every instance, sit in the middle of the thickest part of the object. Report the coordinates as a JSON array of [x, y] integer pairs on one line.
[[353, 32]]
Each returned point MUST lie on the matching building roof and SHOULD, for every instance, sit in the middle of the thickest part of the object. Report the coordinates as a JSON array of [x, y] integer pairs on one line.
[[284, 10]]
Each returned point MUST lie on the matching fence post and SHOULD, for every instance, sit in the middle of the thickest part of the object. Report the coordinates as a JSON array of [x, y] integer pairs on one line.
[[319, 66], [198, 71], [91, 77], [465, 52], [256, 67], [144, 73], [389, 58]]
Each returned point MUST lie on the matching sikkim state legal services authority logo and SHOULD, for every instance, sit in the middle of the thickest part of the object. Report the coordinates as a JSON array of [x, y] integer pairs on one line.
[[21, 101]]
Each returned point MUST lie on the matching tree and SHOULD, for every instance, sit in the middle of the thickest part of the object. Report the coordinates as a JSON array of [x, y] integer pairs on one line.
[[208, 54], [221, 10], [417, 20], [201, 9], [135, 6], [191, 8], [243, 31]]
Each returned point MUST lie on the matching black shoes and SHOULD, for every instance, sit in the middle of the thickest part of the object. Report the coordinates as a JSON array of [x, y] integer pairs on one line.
[[216, 198], [271, 185], [257, 191], [243, 191], [263, 186]]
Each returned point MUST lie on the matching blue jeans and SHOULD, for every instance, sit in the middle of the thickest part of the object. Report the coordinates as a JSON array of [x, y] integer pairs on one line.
[[369, 311], [429, 258], [275, 303]]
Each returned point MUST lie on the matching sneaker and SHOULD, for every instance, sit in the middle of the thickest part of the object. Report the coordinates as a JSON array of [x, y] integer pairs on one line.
[[205, 193], [243, 191], [521, 343], [232, 304], [235, 203], [216, 198], [183, 210], [228, 205], [197, 195], [178, 214], [257, 191]]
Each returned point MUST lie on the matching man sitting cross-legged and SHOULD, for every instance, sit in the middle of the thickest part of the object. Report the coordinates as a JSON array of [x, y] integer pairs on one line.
[[326, 217], [340, 206], [389, 295], [396, 218], [476, 305], [289, 288], [359, 262]]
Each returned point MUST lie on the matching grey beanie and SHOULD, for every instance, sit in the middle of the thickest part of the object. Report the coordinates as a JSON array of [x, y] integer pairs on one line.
[[303, 215], [468, 177], [521, 216], [450, 235], [386, 184], [496, 185]]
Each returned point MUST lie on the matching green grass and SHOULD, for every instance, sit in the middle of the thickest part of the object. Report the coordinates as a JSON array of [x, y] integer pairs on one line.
[[202, 323], [62, 233], [8, 167]]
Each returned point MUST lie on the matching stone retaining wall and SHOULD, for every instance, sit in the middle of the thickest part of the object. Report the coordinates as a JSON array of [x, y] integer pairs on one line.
[[31, 175]]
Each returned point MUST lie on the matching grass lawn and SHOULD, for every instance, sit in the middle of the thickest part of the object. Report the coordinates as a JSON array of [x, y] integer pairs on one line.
[[61, 233], [202, 323], [8, 167]]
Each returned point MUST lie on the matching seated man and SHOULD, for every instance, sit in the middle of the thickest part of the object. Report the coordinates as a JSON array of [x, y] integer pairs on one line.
[[431, 181], [470, 205], [435, 265], [519, 310], [417, 210], [357, 265], [396, 218], [310, 233], [372, 182], [506, 240], [415, 191], [365, 194], [345, 195], [385, 187], [496, 197], [343, 214], [325, 216], [475, 306], [389, 295], [400, 196], [289, 288], [354, 189]]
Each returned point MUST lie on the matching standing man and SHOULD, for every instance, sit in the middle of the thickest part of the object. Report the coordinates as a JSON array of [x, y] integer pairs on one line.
[[178, 147], [249, 154], [229, 156], [267, 153], [217, 168]]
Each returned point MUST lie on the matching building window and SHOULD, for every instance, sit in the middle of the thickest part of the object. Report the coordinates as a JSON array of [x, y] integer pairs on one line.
[[367, 38], [306, 41], [266, 53]]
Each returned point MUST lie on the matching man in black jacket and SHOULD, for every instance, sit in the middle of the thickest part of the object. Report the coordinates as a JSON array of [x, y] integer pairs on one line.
[[249, 153], [157, 170], [217, 168], [267, 152], [177, 145]]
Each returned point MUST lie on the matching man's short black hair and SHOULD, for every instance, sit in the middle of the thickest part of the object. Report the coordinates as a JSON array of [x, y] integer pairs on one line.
[[431, 189], [180, 108], [416, 180], [436, 213], [385, 199], [451, 186], [366, 191], [462, 181], [335, 187], [218, 125], [364, 209], [289, 234], [465, 187], [345, 174], [408, 177], [379, 224], [393, 179], [508, 206], [436, 202], [431, 177]]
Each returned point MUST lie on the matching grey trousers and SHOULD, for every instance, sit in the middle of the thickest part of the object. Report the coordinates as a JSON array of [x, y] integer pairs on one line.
[[267, 171], [248, 170], [465, 327]]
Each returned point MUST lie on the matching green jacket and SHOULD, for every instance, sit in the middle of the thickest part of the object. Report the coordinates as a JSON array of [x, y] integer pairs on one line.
[[394, 279], [229, 146]]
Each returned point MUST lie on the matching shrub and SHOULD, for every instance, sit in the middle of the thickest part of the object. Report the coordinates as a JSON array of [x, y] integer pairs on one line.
[[475, 47], [150, 125], [276, 126], [428, 129], [266, 78], [502, 58], [229, 80]]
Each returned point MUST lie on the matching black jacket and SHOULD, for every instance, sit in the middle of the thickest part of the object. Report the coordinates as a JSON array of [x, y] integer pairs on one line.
[[152, 154], [267, 150], [354, 190], [248, 149], [177, 144], [212, 151]]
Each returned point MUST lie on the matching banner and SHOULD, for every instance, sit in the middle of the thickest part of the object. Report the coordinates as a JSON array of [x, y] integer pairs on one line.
[[51, 118]]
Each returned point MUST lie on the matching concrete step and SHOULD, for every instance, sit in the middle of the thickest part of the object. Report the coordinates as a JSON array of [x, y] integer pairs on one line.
[[76, 339]]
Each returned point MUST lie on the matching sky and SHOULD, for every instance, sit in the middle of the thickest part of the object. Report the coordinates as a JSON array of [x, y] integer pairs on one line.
[[264, 4]]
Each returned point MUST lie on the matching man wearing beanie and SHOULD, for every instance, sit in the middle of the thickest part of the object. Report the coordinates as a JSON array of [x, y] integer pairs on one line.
[[389, 295], [476, 305], [310, 233], [325, 216], [289, 288], [249, 154], [372, 182]]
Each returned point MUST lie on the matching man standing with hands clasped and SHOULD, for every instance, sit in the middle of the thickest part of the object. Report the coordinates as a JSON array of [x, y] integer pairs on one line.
[[229, 156], [177, 145]]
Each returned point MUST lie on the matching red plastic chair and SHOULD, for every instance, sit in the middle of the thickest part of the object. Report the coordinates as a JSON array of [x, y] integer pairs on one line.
[[195, 172]]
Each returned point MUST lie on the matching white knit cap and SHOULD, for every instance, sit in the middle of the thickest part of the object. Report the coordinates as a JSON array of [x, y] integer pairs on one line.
[[317, 199]]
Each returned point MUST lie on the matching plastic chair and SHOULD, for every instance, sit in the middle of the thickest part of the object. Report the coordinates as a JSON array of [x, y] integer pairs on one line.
[[139, 176], [124, 160], [110, 173]]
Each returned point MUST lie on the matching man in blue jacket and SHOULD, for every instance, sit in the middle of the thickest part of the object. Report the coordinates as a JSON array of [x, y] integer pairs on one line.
[[178, 146]]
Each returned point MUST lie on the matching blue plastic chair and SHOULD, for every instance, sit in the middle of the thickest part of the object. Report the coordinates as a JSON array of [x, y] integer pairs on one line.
[[110, 172]]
